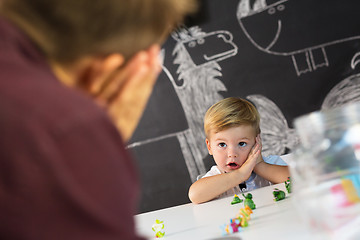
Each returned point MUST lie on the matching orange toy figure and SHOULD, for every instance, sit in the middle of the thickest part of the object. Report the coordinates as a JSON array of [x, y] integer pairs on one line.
[[248, 209], [245, 212]]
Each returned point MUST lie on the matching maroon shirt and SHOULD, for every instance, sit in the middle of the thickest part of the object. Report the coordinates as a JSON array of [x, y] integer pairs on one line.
[[64, 173]]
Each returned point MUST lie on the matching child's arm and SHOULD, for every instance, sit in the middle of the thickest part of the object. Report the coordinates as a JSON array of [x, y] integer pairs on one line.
[[208, 188], [271, 172]]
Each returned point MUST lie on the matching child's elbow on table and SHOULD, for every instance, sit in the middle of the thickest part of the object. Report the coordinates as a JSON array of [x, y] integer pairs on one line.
[[195, 195]]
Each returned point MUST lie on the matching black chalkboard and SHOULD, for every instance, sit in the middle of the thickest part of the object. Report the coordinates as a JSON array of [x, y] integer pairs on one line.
[[288, 57]]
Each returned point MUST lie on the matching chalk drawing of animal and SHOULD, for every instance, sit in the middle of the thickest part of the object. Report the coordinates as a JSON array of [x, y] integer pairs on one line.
[[276, 136], [300, 29], [346, 91], [197, 86]]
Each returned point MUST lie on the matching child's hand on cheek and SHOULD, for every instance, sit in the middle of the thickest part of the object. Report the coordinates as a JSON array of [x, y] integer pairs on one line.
[[259, 143], [251, 161]]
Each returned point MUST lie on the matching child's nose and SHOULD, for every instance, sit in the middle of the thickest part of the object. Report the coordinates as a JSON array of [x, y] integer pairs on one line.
[[232, 153]]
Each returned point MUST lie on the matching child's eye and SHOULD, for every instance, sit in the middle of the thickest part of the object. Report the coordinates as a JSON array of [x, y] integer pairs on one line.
[[242, 144], [222, 145]]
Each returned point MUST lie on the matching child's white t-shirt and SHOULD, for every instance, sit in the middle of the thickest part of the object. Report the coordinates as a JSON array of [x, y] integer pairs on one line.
[[254, 180]]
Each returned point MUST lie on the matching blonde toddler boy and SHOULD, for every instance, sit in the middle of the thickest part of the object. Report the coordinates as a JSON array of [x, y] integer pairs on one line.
[[232, 129]]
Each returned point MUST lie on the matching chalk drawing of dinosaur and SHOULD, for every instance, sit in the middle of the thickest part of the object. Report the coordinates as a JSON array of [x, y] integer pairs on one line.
[[285, 28], [276, 136], [197, 86]]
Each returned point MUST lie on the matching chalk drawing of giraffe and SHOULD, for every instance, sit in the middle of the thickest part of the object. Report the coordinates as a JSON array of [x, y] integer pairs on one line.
[[197, 86]]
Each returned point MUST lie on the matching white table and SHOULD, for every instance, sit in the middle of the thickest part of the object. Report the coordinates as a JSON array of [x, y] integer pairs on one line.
[[270, 220]]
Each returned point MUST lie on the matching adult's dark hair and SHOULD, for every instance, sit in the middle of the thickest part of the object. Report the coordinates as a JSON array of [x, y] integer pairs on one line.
[[68, 29]]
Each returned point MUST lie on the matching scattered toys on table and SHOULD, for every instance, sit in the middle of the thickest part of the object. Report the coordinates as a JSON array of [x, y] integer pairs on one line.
[[278, 194], [236, 200], [288, 185], [241, 220], [248, 201], [157, 227], [236, 224]]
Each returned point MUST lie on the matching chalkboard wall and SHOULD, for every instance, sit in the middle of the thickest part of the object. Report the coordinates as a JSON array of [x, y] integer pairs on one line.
[[288, 57]]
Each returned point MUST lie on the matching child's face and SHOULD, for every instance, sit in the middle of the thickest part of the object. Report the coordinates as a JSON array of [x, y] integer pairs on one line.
[[231, 147]]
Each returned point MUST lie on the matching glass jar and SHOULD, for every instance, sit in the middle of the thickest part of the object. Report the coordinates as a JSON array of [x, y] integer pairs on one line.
[[325, 171]]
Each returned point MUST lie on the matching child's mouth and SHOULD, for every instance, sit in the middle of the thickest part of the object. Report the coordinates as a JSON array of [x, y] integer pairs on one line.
[[233, 165]]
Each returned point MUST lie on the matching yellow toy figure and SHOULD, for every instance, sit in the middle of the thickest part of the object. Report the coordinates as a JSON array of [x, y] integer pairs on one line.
[[157, 227], [244, 215]]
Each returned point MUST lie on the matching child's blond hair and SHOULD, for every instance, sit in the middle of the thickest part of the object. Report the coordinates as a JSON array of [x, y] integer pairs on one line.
[[231, 112]]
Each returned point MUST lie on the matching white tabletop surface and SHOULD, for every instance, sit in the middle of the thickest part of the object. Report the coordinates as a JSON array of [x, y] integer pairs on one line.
[[270, 220]]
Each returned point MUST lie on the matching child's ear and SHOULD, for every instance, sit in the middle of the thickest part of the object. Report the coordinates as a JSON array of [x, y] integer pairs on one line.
[[208, 146]]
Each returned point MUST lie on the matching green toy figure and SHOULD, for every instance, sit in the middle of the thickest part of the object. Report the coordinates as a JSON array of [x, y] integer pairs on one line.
[[278, 194], [248, 201], [288, 185], [236, 200]]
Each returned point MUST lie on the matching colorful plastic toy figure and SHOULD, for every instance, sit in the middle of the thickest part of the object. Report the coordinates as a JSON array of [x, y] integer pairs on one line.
[[233, 227], [278, 194], [288, 185], [245, 212], [248, 201], [236, 200], [157, 227], [244, 215], [236, 224]]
